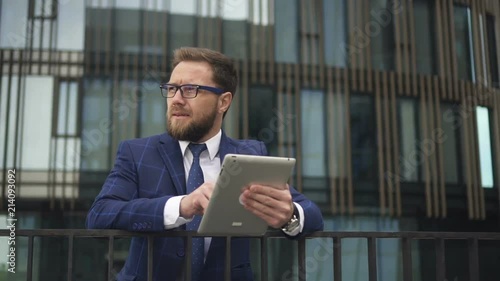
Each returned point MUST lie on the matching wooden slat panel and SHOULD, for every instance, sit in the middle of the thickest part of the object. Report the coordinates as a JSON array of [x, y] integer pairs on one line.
[[470, 200], [398, 30], [369, 67], [413, 47], [423, 121], [439, 148], [332, 130], [395, 145], [298, 120], [386, 141], [270, 42], [380, 141], [406, 46], [432, 156], [452, 94], [281, 126], [440, 44], [244, 94], [304, 52], [496, 131], [289, 109], [362, 66], [253, 50], [342, 123], [312, 17], [351, 11], [348, 151], [473, 148]]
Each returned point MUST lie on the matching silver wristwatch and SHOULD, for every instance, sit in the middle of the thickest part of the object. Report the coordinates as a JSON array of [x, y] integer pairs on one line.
[[293, 223]]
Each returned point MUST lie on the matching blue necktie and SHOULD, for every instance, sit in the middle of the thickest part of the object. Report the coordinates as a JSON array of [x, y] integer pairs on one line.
[[195, 179]]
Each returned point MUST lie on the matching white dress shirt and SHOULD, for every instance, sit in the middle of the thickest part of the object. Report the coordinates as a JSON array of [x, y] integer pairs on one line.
[[210, 164]]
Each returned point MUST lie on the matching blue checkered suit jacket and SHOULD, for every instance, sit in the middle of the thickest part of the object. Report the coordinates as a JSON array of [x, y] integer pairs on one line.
[[147, 172]]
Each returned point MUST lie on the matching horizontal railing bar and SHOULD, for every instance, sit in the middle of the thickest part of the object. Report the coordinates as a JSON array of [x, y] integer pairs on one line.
[[106, 233]]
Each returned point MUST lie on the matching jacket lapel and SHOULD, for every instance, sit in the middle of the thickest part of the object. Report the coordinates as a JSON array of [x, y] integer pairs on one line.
[[171, 154], [225, 147]]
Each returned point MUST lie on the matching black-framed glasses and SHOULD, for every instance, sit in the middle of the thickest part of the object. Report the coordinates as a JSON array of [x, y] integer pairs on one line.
[[188, 91]]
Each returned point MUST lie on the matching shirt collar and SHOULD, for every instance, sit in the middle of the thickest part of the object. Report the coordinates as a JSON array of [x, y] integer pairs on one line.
[[212, 145]]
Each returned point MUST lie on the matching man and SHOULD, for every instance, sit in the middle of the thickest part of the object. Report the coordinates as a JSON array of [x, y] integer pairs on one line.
[[149, 187]]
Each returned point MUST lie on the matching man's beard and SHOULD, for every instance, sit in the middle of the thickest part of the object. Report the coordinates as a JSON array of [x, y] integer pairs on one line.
[[194, 130]]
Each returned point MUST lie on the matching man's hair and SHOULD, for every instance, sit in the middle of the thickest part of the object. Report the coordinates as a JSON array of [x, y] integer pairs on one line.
[[224, 72]]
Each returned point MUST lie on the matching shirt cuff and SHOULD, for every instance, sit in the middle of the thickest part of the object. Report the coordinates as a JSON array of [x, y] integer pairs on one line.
[[298, 230], [171, 216]]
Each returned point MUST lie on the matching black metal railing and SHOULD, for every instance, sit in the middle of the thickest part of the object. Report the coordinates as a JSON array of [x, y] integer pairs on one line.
[[407, 238]]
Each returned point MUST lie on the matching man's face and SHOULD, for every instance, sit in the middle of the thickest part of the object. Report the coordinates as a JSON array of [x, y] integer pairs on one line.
[[192, 119]]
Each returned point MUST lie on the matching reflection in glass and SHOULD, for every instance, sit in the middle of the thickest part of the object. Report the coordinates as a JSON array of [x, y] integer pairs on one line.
[[363, 136], [13, 24], [334, 14], [262, 117], [425, 36], [409, 163], [485, 151], [463, 42], [285, 31], [451, 127]]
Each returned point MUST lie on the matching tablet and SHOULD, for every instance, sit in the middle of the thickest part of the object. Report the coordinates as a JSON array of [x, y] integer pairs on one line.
[[225, 214]]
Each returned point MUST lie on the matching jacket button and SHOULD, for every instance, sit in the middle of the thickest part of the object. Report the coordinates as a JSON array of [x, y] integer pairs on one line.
[[134, 226], [180, 252]]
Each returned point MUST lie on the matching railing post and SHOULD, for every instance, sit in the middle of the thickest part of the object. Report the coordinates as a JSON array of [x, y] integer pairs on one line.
[[473, 259], [29, 274], [302, 259], [188, 247], [227, 266], [150, 257], [440, 261], [70, 257], [372, 259], [407, 261], [337, 259], [263, 258], [111, 243]]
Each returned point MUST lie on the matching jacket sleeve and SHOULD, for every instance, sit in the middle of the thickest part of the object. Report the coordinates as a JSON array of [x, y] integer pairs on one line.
[[118, 205], [313, 219]]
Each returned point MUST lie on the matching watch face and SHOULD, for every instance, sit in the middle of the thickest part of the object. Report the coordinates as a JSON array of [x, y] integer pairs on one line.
[[292, 224]]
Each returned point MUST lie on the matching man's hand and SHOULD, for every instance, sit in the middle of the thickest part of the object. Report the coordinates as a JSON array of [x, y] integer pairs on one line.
[[196, 202], [272, 204]]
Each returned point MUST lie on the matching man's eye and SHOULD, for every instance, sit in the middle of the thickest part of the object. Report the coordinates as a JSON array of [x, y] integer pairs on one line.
[[189, 89], [172, 89]]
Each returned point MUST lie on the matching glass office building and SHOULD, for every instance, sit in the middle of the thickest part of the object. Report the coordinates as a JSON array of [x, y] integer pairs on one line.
[[390, 107]]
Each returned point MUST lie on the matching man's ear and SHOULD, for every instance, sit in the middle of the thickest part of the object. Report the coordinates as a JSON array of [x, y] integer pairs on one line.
[[225, 101]]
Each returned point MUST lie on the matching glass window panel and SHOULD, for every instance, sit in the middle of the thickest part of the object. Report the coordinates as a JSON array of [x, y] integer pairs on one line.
[[68, 108], [380, 31], [182, 30], [363, 138], [129, 4], [13, 23], [262, 117], [492, 50], [334, 13], [409, 163], [286, 34], [8, 110], [234, 10], [313, 133], [153, 109], [96, 124], [338, 143], [463, 42], [127, 30], [485, 151], [68, 154], [425, 36], [187, 7], [37, 106], [70, 25], [451, 124], [235, 38]]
